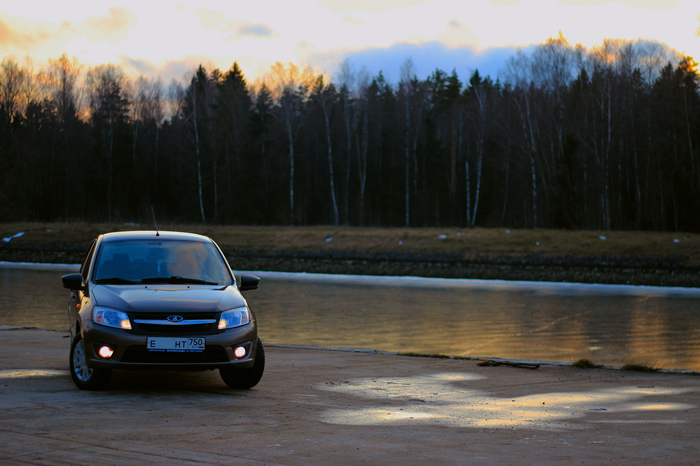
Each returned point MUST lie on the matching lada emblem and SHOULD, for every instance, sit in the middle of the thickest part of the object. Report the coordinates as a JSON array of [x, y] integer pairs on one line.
[[175, 318]]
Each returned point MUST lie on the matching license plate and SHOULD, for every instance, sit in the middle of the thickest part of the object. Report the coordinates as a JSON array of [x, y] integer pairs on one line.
[[176, 345]]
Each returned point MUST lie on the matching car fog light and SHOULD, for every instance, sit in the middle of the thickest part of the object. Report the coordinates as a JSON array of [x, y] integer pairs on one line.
[[239, 352], [106, 352]]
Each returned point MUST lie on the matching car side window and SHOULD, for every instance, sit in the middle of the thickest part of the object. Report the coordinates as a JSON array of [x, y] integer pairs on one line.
[[85, 267]]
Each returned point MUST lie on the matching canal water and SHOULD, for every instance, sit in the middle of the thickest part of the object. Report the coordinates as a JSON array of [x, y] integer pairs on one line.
[[611, 325]]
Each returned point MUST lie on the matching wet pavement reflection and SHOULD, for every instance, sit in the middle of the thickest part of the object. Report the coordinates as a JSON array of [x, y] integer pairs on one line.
[[448, 400]]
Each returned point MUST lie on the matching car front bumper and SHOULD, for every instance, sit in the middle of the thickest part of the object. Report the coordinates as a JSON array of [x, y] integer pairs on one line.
[[130, 352]]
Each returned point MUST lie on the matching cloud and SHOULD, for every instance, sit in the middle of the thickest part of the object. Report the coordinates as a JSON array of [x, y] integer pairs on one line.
[[458, 33], [181, 70], [236, 29], [258, 30], [12, 37], [138, 66], [115, 26], [426, 58], [22, 35], [641, 4], [368, 6], [116, 21], [210, 19], [352, 20], [502, 3]]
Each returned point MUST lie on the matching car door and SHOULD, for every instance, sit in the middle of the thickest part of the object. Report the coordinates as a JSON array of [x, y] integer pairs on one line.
[[78, 298]]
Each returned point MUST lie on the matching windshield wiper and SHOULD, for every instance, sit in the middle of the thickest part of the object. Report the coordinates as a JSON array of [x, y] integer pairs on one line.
[[114, 281], [177, 280]]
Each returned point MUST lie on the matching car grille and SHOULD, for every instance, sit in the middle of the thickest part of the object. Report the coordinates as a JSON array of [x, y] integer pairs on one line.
[[153, 329], [139, 353], [151, 323]]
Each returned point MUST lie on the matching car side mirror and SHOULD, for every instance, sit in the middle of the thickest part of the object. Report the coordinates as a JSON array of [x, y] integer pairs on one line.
[[248, 282], [73, 281]]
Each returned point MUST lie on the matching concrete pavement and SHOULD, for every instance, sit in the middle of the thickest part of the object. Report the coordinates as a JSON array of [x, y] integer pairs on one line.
[[316, 406]]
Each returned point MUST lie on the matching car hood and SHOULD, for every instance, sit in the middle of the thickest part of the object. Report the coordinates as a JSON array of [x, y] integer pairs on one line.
[[167, 298]]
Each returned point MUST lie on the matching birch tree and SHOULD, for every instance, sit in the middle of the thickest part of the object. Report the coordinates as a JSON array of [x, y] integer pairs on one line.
[[61, 78], [478, 93], [347, 80], [290, 87], [407, 72], [13, 79], [363, 137], [198, 101], [518, 73], [326, 97]]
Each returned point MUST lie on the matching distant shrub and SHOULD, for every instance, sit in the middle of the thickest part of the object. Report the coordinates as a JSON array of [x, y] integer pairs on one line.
[[423, 355], [638, 368], [584, 363]]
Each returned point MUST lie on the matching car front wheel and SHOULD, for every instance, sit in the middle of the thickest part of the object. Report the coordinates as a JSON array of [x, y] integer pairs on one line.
[[249, 377], [84, 377]]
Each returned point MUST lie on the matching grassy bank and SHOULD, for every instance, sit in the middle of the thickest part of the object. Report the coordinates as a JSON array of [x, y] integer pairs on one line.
[[555, 255], [468, 243]]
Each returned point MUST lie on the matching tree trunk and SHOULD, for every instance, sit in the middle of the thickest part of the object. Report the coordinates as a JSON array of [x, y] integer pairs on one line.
[[199, 160], [453, 153], [330, 166], [363, 166], [469, 194], [346, 205], [481, 100], [290, 137], [505, 190], [407, 143]]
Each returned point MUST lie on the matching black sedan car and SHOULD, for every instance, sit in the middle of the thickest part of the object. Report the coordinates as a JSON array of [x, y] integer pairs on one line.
[[149, 300]]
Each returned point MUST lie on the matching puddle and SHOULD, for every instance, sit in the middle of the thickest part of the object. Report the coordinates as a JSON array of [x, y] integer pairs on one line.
[[447, 399], [13, 374]]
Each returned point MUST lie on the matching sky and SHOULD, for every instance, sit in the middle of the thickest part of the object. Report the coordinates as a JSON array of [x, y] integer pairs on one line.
[[169, 39]]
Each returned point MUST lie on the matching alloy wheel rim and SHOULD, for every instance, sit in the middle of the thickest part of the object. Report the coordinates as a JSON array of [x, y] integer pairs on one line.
[[80, 367]]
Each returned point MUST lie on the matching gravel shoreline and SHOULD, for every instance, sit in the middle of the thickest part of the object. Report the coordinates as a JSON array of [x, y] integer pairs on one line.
[[605, 270]]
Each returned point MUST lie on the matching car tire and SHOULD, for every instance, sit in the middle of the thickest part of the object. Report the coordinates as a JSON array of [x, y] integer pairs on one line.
[[249, 377], [84, 377]]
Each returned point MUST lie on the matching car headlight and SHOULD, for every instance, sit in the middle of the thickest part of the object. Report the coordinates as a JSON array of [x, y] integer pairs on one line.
[[111, 318], [234, 318]]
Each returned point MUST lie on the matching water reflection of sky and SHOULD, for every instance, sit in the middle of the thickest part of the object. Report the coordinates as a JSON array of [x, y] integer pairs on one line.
[[612, 325]]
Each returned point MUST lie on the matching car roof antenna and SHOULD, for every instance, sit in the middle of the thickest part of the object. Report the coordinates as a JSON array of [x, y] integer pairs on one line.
[[154, 221]]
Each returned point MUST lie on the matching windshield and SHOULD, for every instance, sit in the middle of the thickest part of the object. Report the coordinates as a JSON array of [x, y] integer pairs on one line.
[[160, 261]]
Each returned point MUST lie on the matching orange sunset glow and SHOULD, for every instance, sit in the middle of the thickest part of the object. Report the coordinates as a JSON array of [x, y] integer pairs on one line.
[[169, 39]]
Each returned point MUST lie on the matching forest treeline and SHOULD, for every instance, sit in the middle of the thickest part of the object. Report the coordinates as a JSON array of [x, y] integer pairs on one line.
[[567, 137]]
